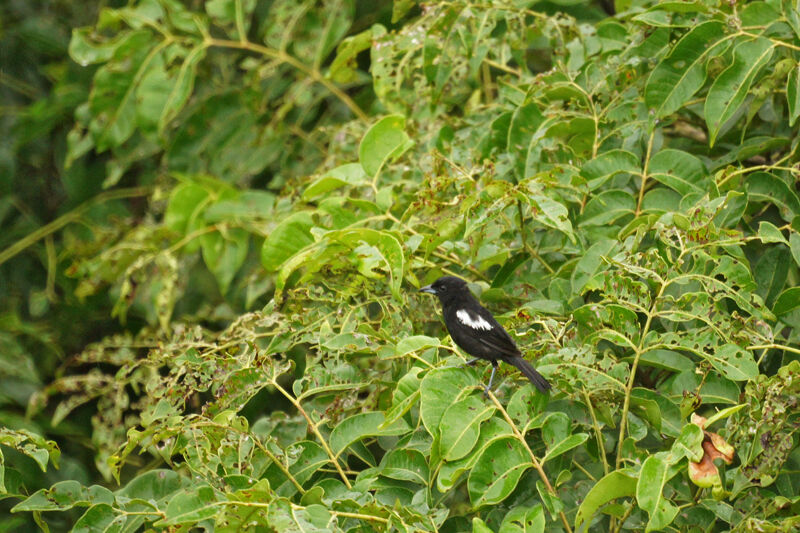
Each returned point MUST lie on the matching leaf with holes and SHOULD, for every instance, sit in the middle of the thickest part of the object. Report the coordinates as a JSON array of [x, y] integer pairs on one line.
[[497, 471]]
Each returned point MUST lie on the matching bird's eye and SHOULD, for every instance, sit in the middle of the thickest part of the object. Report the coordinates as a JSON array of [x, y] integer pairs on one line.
[[441, 289]]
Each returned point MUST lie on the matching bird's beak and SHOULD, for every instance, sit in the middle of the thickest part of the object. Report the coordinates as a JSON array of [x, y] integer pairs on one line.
[[429, 289]]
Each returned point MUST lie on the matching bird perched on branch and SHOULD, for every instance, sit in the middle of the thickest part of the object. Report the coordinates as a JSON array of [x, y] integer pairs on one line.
[[474, 329]]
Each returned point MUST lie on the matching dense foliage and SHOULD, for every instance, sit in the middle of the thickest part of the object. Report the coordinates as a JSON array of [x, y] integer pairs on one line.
[[216, 216]]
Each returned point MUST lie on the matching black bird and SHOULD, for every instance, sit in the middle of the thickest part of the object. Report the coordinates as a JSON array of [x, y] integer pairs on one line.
[[475, 330]]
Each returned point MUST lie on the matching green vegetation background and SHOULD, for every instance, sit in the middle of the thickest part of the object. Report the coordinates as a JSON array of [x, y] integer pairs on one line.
[[215, 216]]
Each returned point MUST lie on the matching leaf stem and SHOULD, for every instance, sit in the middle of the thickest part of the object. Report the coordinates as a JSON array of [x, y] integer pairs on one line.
[[629, 387], [536, 464], [315, 429], [645, 170], [597, 431]]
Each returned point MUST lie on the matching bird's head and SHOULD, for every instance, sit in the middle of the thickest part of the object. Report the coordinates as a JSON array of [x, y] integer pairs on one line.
[[447, 288]]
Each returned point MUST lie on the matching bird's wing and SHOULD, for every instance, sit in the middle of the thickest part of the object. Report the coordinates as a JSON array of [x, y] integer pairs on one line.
[[489, 332]]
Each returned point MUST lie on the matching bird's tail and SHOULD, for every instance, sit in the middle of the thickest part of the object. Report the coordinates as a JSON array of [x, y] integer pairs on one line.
[[536, 378]]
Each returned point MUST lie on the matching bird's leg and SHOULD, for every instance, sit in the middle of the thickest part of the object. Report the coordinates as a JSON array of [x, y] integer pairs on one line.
[[471, 362], [491, 378]]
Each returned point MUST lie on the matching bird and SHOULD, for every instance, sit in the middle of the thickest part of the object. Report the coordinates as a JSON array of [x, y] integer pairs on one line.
[[473, 328]]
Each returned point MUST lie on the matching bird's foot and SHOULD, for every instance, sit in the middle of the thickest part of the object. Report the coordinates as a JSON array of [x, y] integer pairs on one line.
[[471, 362]]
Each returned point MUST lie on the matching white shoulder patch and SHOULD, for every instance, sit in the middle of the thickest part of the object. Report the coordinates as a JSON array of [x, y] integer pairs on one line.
[[475, 322]]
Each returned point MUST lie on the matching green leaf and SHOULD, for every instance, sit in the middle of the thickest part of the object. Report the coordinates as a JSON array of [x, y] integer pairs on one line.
[[101, 518], [688, 444], [525, 405], [288, 238], [617, 484], [224, 253], [547, 211], [478, 525], [389, 249], [85, 52], [415, 343], [349, 174], [245, 206], [646, 407], [679, 171], [792, 14], [460, 427], [180, 88], [564, 446], [307, 457], [524, 123], [440, 388], [667, 360], [771, 272], [551, 501], [723, 413], [765, 187], [607, 165], [730, 88], [653, 476], [113, 97], [524, 520], [591, 263], [362, 425], [385, 140], [64, 495], [190, 506], [284, 515], [607, 207], [28, 443], [794, 247], [768, 232], [733, 362], [155, 485], [406, 465], [405, 395], [343, 67], [682, 72], [225, 13], [793, 94], [497, 472], [787, 301]]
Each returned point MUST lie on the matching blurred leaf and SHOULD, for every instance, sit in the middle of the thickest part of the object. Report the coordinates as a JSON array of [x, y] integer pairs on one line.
[[347, 174], [385, 140], [289, 237], [224, 253], [793, 91], [787, 301]]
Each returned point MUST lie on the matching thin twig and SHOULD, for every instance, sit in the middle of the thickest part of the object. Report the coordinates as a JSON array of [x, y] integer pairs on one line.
[[67, 218]]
